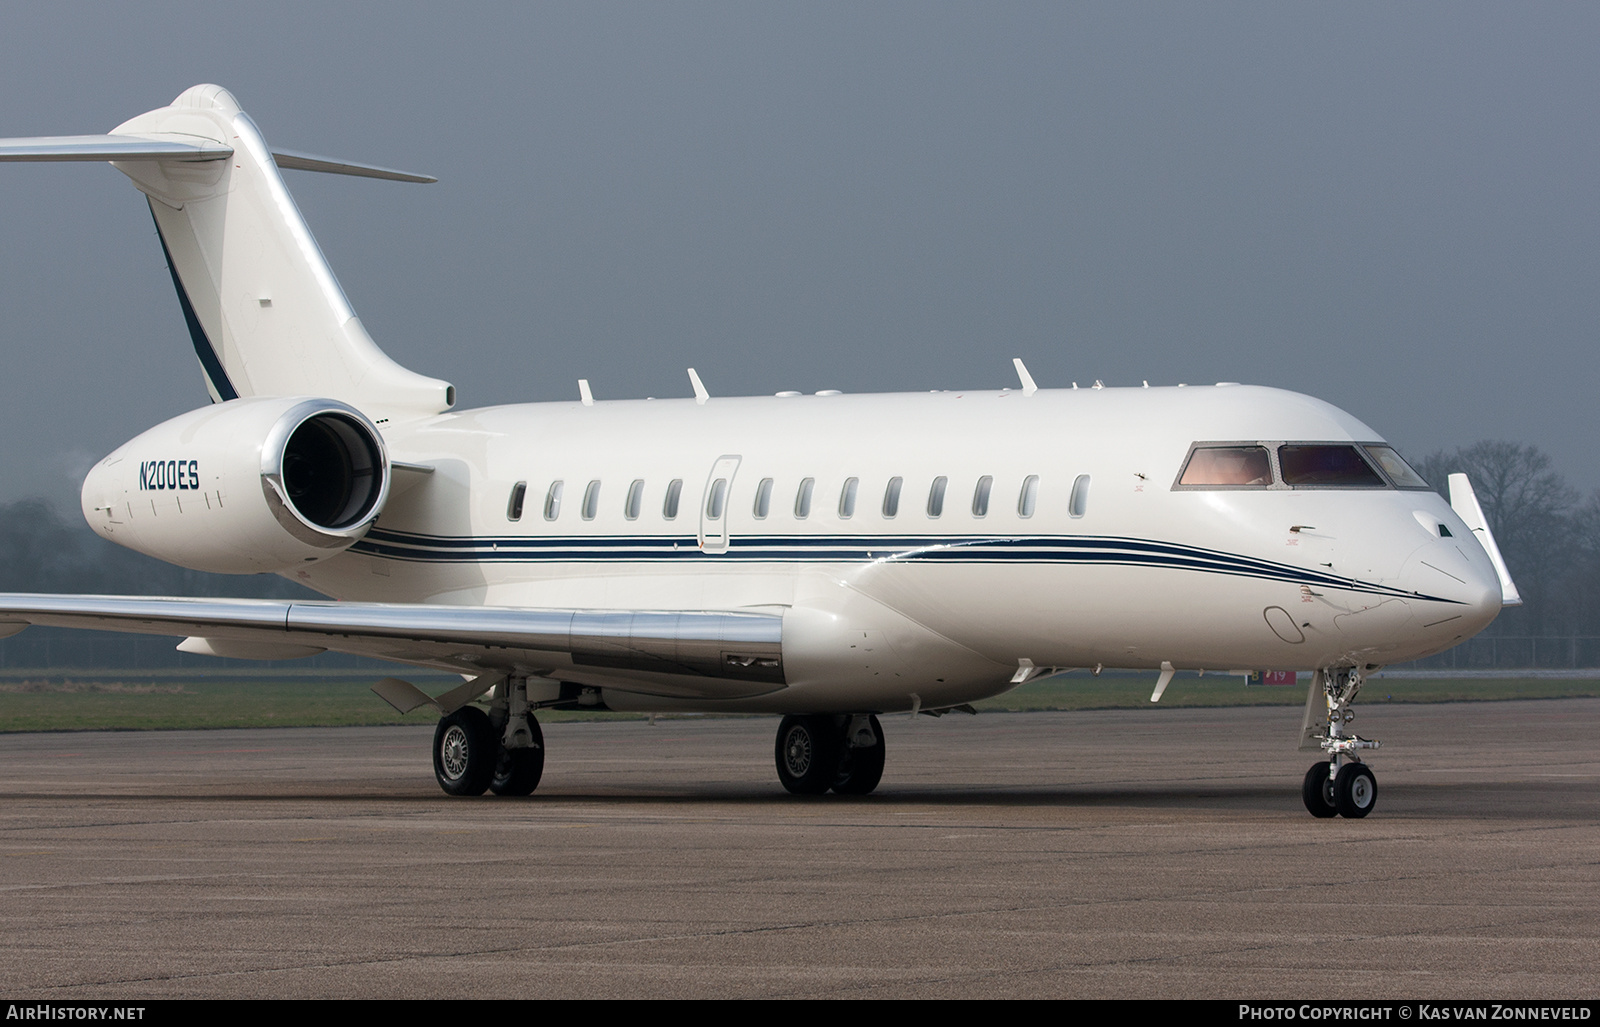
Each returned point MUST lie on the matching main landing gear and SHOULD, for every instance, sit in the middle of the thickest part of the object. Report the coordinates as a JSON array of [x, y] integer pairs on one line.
[[819, 752], [1341, 785], [500, 751]]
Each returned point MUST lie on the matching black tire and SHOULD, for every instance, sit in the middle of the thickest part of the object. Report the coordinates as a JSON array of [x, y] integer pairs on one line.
[[807, 753], [860, 770], [464, 752], [1355, 791], [1318, 791], [517, 771]]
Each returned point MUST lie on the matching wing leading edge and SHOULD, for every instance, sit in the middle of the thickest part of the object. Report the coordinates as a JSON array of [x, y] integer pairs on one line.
[[703, 654]]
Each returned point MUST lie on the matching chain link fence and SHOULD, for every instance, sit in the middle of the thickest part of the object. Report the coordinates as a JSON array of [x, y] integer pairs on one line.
[[1516, 652]]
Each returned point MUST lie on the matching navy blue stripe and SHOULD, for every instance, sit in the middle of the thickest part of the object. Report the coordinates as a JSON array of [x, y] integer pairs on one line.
[[1083, 551], [197, 334]]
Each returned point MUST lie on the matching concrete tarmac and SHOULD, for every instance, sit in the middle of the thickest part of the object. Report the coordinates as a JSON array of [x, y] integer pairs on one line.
[[1145, 853]]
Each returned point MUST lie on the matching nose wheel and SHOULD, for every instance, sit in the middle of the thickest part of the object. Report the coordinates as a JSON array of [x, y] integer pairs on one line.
[[1318, 791], [1350, 791], [1355, 790], [1340, 786]]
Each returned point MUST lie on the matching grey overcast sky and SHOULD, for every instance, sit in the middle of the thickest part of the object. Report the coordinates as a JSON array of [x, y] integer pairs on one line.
[[1391, 206]]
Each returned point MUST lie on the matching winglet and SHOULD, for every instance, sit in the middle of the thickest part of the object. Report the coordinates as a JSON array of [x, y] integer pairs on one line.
[[1465, 503]]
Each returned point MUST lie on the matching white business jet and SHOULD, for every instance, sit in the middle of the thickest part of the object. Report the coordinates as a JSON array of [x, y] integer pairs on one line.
[[827, 557]]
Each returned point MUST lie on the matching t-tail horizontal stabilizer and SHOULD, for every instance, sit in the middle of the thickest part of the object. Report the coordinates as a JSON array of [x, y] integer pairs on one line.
[[126, 148], [264, 311]]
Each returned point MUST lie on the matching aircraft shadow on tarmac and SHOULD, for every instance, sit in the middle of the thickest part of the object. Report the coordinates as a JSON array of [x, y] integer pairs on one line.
[[1476, 800]]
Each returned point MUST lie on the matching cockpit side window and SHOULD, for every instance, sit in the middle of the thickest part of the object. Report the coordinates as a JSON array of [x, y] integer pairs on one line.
[[1327, 466], [1227, 467], [1395, 467]]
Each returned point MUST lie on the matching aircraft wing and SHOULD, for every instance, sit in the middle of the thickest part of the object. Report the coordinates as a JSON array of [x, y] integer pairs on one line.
[[699, 653]]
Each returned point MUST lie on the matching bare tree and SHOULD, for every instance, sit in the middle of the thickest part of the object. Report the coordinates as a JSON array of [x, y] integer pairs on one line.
[[1529, 506]]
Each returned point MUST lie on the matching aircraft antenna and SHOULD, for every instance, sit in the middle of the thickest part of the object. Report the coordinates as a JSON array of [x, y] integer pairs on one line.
[[700, 393], [1028, 387]]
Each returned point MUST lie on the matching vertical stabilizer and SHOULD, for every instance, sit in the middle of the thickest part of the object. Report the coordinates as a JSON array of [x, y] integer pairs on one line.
[[266, 315]]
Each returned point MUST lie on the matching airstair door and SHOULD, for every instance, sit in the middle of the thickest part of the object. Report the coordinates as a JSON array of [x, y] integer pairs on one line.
[[714, 505]]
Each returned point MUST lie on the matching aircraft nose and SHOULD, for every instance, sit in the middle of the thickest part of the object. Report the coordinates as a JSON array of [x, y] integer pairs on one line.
[[1458, 592]]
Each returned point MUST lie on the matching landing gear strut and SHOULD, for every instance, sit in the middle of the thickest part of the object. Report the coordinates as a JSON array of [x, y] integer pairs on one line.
[[1341, 785], [500, 751], [819, 752]]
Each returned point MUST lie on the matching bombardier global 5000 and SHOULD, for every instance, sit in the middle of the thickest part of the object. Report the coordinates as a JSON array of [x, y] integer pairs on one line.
[[829, 558]]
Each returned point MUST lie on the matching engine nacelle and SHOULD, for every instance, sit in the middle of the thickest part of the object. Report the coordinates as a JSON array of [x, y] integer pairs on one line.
[[250, 485]]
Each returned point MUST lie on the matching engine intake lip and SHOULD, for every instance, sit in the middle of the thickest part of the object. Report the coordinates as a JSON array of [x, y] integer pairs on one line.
[[324, 472]]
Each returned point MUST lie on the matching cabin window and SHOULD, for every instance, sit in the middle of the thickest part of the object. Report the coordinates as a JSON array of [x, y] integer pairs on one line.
[[847, 498], [552, 502], [1080, 496], [763, 499], [1311, 466], [1029, 497], [519, 492], [716, 498], [630, 509], [980, 496], [591, 501], [802, 498], [936, 496], [669, 506], [891, 497], [1225, 466], [1399, 472]]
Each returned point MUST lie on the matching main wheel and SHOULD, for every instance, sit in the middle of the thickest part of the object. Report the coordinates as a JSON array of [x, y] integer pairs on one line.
[[464, 752], [860, 770], [807, 753], [1318, 791], [1355, 790], [517, 771]]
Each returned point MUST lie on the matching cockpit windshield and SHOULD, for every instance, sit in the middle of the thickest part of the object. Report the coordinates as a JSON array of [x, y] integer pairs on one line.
[[1296, 465], [1327, 466], [1228, 465]]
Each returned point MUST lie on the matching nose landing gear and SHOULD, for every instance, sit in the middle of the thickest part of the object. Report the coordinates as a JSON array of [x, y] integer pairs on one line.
[[1341, 785]]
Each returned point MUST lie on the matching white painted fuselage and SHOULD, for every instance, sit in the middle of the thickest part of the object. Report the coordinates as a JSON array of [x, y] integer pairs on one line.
[[889, 612]]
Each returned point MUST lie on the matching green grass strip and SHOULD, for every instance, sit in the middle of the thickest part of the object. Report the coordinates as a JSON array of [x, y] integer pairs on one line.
[[146, 701]]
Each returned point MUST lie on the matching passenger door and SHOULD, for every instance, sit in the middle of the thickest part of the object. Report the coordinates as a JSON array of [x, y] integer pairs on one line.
[[714, 536]]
